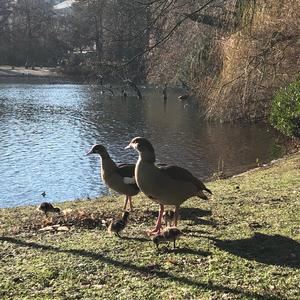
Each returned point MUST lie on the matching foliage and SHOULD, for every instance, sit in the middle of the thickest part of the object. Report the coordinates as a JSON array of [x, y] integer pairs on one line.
[[285, 110], [241, 244]]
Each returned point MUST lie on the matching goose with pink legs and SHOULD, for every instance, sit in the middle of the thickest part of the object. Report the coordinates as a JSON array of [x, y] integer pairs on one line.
[[119, 178], [166, 185]]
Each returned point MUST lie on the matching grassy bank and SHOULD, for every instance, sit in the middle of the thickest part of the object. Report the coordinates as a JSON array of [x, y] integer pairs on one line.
[[242, 244]]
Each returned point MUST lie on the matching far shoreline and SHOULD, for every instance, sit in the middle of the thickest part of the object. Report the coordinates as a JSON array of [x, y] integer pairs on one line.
[[43, 72]]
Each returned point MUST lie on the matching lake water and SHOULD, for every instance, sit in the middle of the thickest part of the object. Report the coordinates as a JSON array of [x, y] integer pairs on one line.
[[46, 129]]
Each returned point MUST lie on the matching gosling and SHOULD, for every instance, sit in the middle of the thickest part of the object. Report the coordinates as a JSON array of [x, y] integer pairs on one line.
[[119, 225], [47, 207], [168, 217], [169, 234]]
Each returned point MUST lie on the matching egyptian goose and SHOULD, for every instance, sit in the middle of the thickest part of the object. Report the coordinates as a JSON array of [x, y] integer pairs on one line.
[[169, 234], [117, 226], [47, 207], [118, 178], [166, 185]]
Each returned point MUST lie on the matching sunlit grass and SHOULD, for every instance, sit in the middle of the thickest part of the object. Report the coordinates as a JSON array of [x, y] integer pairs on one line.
[[242, 244]]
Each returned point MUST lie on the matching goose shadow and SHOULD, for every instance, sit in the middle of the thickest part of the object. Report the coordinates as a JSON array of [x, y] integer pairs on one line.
[[186, 250], [151, 270], [189, 213], [134, 238], [268, 249]]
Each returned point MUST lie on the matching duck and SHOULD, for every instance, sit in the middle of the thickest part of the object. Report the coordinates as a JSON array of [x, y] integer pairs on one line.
[[168, 217], [118, 178], [169, 234], [47, 207], [166, 185], [117, 226]]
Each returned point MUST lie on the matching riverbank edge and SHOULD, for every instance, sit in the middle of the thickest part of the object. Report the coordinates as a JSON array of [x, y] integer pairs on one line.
[[293, 152]]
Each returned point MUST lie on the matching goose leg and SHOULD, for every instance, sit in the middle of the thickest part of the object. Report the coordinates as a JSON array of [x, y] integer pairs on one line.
[[176, 216], [125, 202], [158, 226], [130, 203]]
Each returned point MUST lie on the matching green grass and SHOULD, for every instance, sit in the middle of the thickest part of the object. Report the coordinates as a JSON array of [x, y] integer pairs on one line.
[[241, 244]]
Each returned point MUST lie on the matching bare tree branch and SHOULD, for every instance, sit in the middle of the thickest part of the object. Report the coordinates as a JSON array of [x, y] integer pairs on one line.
[[169, 34]]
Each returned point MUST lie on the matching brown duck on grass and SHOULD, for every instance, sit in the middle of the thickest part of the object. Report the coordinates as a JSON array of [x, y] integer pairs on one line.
[[117, 226], [168, 217], [47, 208], [166, 185], [169, 234], [118, 178]]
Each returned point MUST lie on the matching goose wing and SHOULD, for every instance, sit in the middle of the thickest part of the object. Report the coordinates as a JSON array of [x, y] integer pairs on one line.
[[178, 173], [127, 172]]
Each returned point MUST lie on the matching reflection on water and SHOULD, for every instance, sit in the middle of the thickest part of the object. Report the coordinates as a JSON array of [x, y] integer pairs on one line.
[[45, 131]]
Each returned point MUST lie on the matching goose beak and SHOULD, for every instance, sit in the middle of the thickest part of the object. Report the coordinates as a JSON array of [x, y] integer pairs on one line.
[[128, 146], [89, 152]]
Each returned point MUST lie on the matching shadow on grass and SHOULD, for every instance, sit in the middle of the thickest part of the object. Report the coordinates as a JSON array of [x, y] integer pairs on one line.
[[188, 213], [190, 251], [268, 249], [143, 270], [134, 238]]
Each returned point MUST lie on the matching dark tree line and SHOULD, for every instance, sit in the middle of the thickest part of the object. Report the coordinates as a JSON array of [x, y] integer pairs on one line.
[[98, 36]]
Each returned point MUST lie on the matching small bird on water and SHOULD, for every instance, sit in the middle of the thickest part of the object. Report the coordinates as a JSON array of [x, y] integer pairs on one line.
[[119, 225], [169, 234], [47, 207]]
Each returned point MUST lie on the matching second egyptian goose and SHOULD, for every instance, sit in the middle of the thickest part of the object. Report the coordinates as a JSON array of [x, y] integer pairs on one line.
[[166, 185], [118, 178]]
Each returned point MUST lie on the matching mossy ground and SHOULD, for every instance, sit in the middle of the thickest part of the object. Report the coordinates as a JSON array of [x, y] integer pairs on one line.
[[241, 244]]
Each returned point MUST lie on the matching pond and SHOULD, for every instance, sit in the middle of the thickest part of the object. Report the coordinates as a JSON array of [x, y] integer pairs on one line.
[[46, 129]]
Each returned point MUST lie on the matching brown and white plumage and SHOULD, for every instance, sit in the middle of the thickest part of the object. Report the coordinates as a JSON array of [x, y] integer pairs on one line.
[[167, 185], [118, 178]]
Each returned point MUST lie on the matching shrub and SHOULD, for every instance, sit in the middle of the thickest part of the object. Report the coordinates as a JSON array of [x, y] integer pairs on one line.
[[285, 109]]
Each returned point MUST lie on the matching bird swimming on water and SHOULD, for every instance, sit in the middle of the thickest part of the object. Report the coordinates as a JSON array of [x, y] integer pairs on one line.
[[166, 185], [118, 178]]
